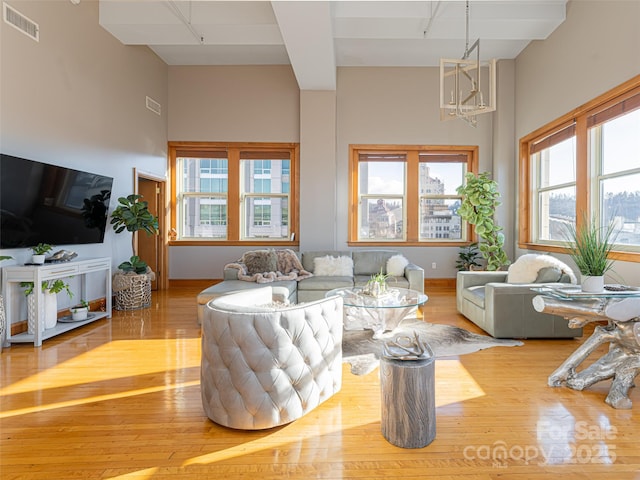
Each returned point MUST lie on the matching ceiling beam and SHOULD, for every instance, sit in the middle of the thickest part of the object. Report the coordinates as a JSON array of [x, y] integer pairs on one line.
[[307, 33]]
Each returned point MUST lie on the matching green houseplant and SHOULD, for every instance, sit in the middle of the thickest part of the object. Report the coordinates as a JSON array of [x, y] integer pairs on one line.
[[132, 214], [589, 246], [467, 257], [132, 286], [39, 252], [479, 201], [80, 311], [52, 286], [377, 284]]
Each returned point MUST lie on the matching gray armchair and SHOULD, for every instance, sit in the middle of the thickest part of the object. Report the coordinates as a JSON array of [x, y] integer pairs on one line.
[[505, 310]]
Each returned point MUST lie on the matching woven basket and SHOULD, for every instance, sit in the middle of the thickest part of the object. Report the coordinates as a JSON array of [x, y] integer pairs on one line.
[[136, 296]]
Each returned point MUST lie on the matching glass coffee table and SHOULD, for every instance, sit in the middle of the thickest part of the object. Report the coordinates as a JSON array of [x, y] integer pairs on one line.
[[380, 314]]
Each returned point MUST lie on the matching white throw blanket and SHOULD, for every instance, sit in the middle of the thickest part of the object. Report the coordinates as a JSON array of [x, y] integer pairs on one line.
[[289, 268], [526, 268]]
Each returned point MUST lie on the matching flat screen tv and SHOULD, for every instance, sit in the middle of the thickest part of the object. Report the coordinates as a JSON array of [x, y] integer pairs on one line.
[[42, 203]]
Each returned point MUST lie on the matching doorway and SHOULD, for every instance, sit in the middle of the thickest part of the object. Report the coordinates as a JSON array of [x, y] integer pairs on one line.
[[152, 248]]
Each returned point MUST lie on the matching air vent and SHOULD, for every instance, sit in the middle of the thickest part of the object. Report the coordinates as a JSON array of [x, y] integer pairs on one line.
[[20, 22], [154, 106]]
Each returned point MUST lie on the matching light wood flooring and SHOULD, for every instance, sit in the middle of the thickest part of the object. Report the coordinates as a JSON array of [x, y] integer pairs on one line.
[[120, 399]]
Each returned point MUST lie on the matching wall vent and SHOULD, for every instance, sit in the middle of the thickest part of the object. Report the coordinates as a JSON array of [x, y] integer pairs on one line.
[[20, 22], [154, 106]]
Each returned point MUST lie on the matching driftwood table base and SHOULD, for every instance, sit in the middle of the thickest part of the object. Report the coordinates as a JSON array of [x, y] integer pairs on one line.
[[621, 363]]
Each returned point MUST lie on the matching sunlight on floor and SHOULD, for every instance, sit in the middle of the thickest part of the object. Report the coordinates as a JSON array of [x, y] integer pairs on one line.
[[165, 361], [97, 398], [116, 359], [460, 384]]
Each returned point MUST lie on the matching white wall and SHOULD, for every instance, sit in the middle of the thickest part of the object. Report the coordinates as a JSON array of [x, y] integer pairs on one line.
[[378, 106], [400, 106], [594, 50], [228, 104], [77, 98], [318, 188], [234, 104]]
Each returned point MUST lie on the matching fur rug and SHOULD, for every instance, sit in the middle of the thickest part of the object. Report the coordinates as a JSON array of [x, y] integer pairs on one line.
[[362, 351]]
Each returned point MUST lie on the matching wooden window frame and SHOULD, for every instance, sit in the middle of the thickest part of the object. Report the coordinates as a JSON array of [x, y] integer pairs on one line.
[[411, 217], [597, 110], [233, 149]]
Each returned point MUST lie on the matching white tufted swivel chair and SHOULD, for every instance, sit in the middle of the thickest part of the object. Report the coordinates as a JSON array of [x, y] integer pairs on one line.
[[265, 365]]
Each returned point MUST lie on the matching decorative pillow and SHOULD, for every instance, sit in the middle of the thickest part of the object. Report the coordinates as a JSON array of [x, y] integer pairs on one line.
[[260, 261], [396, 264], [548, 275], [329, 266]]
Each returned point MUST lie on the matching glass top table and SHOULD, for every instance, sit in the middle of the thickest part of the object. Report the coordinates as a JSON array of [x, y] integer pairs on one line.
[[574, 292], [380, 314]]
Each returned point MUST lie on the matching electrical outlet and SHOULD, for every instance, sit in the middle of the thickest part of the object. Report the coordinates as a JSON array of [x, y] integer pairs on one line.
[[434, 265]]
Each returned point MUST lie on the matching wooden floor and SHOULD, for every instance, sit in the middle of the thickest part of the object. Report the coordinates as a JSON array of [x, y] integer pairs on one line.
[[120, 399]]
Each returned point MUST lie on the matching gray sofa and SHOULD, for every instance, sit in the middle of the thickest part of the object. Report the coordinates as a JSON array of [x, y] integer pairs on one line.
[[365, 264], [505, 310]]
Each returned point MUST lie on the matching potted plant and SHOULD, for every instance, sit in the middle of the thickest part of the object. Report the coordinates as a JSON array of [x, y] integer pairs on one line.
[[132, 214], [50, 288], [467, 257], [377, 285], [134, 264], [81, 311], [39, 252], [589, 246], [479, 201], [132, 287]]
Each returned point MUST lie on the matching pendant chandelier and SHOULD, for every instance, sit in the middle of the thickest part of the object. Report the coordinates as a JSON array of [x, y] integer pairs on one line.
[[467, 85]]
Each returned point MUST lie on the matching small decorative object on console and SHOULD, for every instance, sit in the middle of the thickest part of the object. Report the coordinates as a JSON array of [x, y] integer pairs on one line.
[[61, 256]]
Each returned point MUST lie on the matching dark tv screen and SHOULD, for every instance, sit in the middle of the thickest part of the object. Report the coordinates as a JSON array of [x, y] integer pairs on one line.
[[42, 203]]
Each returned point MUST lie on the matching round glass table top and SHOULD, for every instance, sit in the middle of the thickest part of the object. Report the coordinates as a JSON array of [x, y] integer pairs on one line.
[[393, 298]]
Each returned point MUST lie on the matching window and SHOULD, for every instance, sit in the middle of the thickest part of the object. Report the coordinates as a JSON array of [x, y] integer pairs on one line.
[[587, 163], [553, 199], [614, 143], [233, 193], [408, 194]]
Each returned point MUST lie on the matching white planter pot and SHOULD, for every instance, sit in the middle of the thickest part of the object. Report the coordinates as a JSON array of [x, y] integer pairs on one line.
[[48, 311], [38, 259], [80, 313], [592, 284]]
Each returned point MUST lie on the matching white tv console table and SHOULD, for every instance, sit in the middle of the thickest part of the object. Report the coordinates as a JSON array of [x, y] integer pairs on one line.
[[14, 274]]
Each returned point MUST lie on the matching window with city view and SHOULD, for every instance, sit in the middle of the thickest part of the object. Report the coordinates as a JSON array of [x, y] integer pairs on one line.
[[407, 194], [233, 192], [587, 164]]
